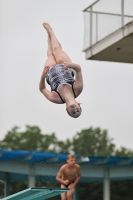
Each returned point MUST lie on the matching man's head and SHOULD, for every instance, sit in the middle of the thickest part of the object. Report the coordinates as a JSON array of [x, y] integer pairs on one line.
[[74, 110], [71, 160]]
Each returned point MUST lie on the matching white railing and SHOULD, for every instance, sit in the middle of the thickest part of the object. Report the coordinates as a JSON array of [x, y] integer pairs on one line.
[[104, 17]]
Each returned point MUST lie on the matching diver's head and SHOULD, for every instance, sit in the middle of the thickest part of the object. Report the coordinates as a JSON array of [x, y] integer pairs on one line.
[[74, 110]]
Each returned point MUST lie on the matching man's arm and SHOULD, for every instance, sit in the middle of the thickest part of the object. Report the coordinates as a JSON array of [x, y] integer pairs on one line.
[[78, 176], [59, 179]]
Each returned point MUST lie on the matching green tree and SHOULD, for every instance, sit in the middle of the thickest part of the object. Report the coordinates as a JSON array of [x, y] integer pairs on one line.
[[1, 189], [30, 139], [122, 151], [64, 146], [122, 190], [93, 142]]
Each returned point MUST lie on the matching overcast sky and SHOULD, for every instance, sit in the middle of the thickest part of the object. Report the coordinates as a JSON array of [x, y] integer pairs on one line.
[[107, 98]]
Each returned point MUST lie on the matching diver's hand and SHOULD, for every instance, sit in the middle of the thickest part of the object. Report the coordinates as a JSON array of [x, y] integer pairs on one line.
[[66, 65], [74, 66], [45, 71]]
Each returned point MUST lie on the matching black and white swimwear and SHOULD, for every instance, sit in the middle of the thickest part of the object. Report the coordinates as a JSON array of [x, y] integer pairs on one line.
[[57, 76]]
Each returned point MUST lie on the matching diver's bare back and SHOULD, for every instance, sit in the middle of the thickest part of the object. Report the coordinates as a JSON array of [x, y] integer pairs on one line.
[[69, 173]]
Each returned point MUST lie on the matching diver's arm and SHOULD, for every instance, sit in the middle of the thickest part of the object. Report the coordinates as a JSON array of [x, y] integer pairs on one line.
[[78, 75]]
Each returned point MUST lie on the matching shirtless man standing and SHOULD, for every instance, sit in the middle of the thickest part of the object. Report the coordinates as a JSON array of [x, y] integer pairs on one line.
[[69, 175]]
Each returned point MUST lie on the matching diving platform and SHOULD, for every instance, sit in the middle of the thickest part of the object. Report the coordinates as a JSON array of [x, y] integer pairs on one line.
[[116, 47], [108, 31], [36, 194]]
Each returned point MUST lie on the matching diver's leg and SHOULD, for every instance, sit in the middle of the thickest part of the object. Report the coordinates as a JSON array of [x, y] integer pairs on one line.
[[50, 60], [59, 54]]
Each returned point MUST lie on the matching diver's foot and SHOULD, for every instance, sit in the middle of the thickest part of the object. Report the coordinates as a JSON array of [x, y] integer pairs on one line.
[[47, 27]]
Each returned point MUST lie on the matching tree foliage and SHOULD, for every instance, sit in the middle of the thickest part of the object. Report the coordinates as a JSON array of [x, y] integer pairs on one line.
[[30, 139], [64, 146], [93, 142], [122, 151], [122, 190]]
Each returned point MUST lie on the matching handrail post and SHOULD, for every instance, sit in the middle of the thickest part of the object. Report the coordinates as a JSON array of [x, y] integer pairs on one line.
[[122, 13], [91, 28], [96, 27]]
